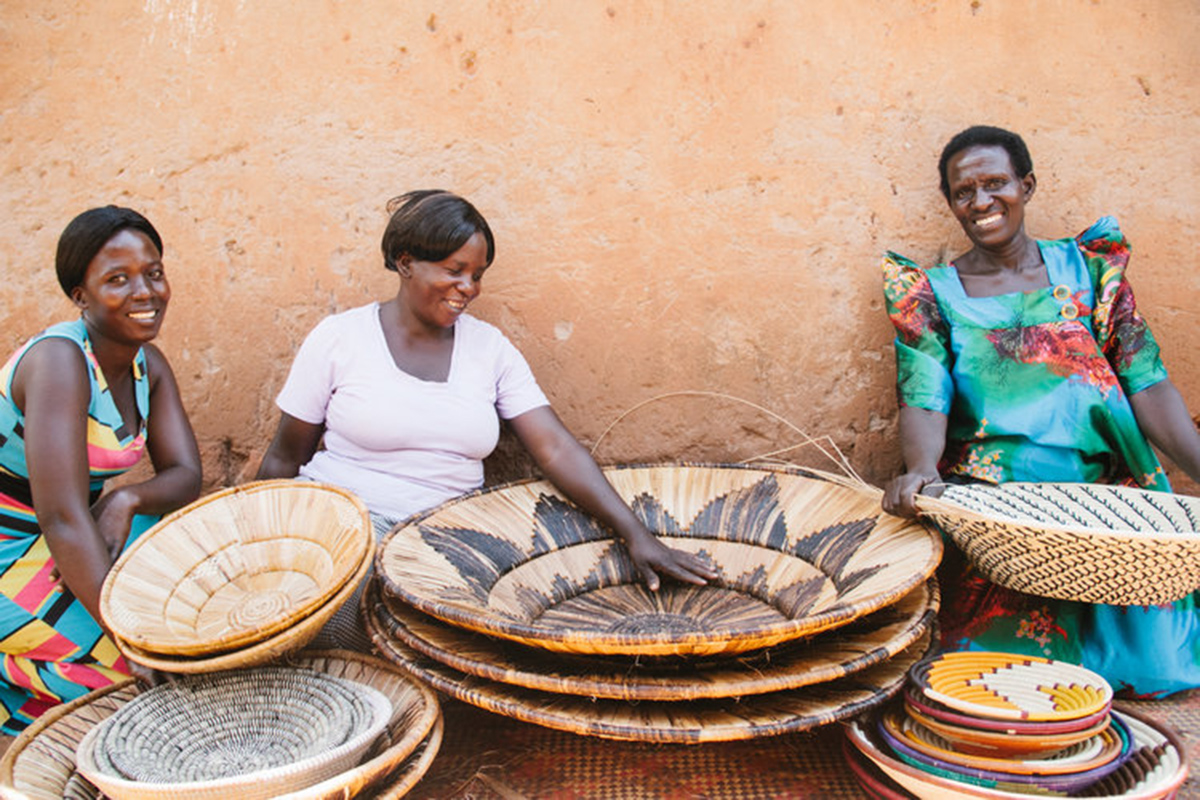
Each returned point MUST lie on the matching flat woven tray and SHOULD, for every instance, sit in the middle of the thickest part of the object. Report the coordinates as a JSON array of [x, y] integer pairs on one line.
[[689, 722], [236, 567], [1085, 542], [40, 763], [796, 553], [825, 657]]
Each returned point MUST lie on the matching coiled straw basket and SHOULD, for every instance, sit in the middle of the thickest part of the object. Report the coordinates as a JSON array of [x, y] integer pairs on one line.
[[1085, 542], [235, 568]]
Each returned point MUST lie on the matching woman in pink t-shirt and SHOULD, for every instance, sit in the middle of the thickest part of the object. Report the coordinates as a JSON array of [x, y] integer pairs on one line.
[[408, 394]]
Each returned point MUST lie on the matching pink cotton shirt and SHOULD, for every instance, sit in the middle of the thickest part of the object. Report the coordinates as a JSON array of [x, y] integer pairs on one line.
[[400, 443]]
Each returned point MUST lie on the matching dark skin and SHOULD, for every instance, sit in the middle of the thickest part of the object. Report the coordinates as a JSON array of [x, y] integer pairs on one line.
[[122, 300], [988, 199], [418, 325]]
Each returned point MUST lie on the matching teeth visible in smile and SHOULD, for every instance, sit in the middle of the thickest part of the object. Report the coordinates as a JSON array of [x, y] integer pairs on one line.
[[988, 221], [456, 305], [143, 314]]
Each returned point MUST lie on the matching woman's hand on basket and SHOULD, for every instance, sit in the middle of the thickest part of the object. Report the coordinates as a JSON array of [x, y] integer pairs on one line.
[[899, 496], [651, 557]]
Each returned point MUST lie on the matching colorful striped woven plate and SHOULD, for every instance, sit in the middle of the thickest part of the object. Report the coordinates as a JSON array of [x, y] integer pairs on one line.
[[1005, 686]]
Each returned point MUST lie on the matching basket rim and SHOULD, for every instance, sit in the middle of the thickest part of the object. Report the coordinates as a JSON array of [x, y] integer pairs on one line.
[[292, 638], [754, 678], [371, 773], [556, 712], [194, 646], [377, 702], [654, 644], [940, 508]]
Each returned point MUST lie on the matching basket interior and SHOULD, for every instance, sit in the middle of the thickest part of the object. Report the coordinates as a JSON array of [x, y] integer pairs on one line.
[[786, 546]]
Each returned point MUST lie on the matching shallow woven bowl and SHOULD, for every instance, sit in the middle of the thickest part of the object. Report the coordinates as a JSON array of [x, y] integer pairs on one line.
[[236, 567], [253, 734], [1011, 687], [1002, 744], [796, 553], [40, 763], [270, 649], [1156, 768], [1086, 542]]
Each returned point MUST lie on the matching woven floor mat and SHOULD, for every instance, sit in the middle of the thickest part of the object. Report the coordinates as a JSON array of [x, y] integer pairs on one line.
[[489, 757]]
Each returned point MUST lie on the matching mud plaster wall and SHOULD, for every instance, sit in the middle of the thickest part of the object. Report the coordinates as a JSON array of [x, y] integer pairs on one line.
[[687, 196]]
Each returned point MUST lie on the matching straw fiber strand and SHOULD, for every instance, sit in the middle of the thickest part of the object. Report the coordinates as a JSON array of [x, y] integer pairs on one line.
[[235, 567], [1091, 543], [664, 721], [825, 657], [795, 554], [41, 761]]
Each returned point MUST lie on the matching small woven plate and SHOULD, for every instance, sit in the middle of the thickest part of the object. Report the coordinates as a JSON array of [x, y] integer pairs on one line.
[[825, 657], [1077, 541], [1156, 768], [1107, 749], [40, 763], [1005, 686], [918, 703], [664, 721], [1003, 744], [236, 567], [254, 733], [796, 553]]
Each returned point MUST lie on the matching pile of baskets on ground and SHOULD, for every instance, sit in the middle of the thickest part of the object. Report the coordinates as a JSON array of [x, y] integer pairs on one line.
[[993, 725], [514, 600], [240, 578]]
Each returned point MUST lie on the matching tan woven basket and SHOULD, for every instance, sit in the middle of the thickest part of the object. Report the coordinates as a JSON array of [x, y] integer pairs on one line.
[[863, 643], [236, 567], [1085, 542], [253, 734], [692, 722], [266, 651], [797, 553], [40, 764]]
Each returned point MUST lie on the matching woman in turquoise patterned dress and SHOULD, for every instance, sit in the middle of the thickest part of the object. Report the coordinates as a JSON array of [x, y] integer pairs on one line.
[[1027, 360], [80, 403]]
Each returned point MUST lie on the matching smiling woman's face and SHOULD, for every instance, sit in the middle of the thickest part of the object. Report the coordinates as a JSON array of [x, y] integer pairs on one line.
[[987, 196], [124, 293]]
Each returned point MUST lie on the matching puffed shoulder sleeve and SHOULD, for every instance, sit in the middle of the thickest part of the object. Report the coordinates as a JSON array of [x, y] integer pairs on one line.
[[305, 395], [923, 356], [1122, 333]]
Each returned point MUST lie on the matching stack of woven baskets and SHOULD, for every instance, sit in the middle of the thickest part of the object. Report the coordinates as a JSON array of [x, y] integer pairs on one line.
[[514, 600], [239, 578], [977, 724]]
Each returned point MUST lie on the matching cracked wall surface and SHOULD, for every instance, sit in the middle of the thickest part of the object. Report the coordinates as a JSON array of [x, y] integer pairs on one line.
[[689, 199]]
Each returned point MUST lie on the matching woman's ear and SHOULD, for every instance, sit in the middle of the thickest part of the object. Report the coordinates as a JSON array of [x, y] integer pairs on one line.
[[1030, 184], [79, 298], [404, 265]]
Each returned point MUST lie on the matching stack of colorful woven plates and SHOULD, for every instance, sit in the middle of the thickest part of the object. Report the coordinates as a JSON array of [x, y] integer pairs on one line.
[[239, 577], [514, 600], [300, 746], [998, 725]]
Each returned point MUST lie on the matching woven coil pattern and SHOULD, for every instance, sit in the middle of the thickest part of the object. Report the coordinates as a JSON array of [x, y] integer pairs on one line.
[[796, 553], [254, 733], [40, 764], [1085, 542], [236, 567]]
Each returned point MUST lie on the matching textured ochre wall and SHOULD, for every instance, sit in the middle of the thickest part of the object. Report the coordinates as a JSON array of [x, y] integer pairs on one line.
[[687, 196]]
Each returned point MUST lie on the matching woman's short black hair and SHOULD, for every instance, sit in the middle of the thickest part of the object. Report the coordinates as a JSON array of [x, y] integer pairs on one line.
[[85, 235], [985, 136], [430, 225]]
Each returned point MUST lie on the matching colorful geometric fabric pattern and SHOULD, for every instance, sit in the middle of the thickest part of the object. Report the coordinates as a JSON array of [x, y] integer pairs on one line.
[[51, 649]]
